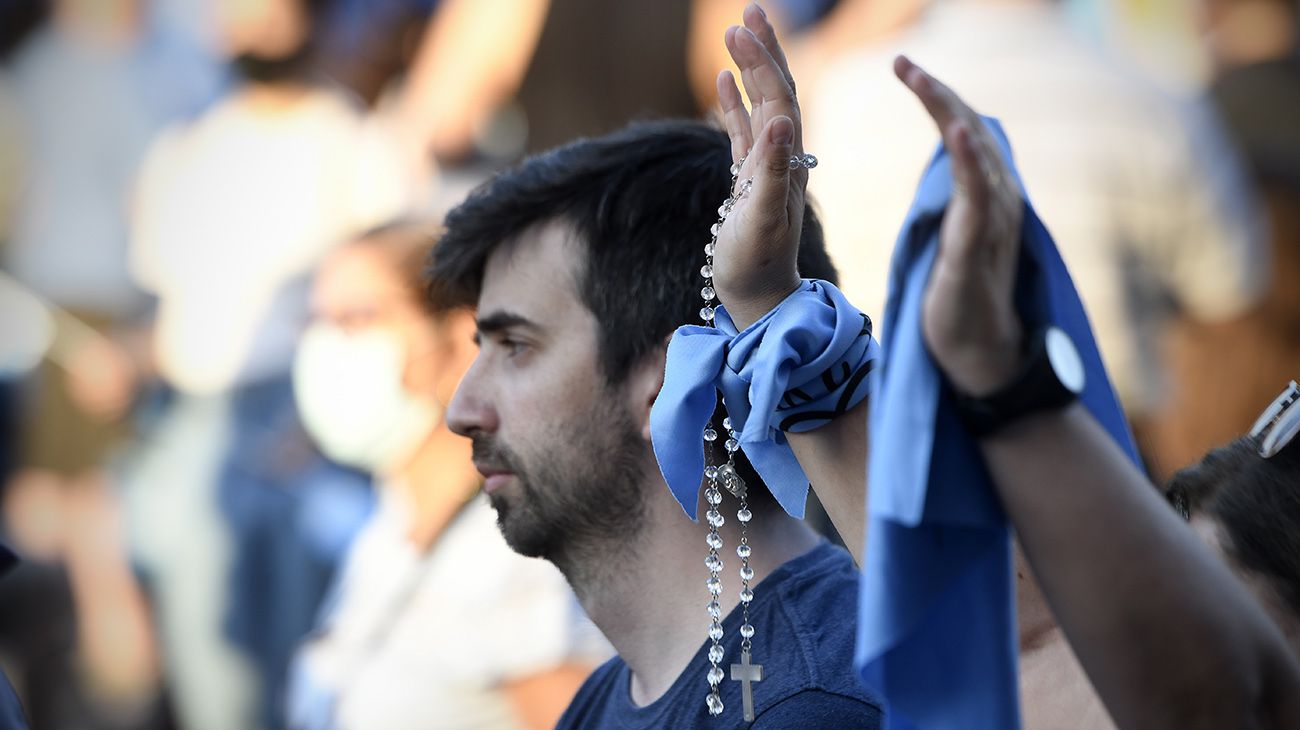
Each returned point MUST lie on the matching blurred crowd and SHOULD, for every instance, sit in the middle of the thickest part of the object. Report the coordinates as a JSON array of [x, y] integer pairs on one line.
[[222, 453]]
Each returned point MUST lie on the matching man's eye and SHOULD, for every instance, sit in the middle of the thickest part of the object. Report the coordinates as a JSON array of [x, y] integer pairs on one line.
[[513, 347]]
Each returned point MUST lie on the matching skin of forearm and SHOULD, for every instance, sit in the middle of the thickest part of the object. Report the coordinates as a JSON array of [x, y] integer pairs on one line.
[[1168, 636], [834, 458]]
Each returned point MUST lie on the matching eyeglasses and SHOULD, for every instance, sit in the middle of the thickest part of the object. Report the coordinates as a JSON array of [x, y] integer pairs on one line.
[[1279, 423]]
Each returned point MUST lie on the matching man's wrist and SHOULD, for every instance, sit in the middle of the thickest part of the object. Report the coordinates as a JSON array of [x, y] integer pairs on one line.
[[746, 310], [1050, 375], [981, 371]]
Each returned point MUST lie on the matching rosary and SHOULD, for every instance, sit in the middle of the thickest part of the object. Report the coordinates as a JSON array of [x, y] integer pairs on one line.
[[722, 477]]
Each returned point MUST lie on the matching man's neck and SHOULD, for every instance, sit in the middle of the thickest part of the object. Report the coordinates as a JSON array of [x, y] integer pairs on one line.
[[649, 598]]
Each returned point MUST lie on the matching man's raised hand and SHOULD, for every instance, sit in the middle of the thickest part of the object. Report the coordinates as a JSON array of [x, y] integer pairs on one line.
[[755, 262], [968, 316]]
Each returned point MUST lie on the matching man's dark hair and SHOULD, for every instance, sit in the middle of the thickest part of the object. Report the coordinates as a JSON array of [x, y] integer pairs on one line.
[[1256, 501], [641, 202]]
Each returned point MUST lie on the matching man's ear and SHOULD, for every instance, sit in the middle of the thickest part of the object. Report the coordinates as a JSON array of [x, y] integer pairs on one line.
[[644, 384]]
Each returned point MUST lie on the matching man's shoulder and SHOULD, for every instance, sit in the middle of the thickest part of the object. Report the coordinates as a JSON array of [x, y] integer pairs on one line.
[[590, 705], [817, 595], [812, 628], [815, 709]]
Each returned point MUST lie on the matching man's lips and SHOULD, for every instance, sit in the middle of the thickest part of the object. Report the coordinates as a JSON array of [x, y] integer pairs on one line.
[[493, 477]]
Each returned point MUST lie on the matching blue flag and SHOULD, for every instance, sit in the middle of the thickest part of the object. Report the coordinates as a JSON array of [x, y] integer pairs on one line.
[[937, 627]]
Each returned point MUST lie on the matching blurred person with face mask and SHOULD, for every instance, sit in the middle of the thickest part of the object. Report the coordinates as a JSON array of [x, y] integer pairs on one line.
[[237, 520], [434, 621]]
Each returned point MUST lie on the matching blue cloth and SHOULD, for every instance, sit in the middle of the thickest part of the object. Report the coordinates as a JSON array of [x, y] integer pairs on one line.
[[936, 633], [803, 618], [11, 710], [799, 365]]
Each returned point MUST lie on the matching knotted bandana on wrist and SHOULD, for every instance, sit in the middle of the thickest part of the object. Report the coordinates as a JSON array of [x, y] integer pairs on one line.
[[937, 625], [799, 366]]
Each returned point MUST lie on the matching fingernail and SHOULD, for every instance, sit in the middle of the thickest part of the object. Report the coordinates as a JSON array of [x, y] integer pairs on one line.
[[761, 11], [782, 131]]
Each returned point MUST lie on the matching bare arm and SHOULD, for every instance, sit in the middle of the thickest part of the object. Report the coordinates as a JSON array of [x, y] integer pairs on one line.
[[834, 458], [472, 57], [1167, 635]]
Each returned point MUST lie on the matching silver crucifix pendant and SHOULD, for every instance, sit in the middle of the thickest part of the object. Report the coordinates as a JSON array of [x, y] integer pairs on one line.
[[747, 674]]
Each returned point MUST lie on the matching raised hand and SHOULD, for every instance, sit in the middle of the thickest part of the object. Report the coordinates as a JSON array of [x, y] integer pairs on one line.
[[755, 262], [968, 316]]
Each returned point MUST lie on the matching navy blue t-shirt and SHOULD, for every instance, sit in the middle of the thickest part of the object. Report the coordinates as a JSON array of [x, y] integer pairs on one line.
[[804, 615]]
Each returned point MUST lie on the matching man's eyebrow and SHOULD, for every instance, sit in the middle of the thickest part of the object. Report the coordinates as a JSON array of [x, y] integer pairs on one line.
[[498, 321]]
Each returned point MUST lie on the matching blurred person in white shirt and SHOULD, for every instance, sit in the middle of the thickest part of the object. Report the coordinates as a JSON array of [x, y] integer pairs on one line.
[[231, 215], [434, 622]]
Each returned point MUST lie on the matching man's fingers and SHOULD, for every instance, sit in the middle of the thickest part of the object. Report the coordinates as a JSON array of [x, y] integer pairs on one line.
[[939, 101], [967, 171], [770, 193], [769, 93], [976, 161], [756, 20], [734, 116]]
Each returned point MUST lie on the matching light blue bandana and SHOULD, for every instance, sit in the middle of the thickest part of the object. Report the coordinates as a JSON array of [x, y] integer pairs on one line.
[[800, 365]]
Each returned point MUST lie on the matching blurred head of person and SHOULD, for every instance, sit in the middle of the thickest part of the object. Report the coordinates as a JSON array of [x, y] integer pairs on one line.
[[269, 41], [1246, 506], [379, 359]]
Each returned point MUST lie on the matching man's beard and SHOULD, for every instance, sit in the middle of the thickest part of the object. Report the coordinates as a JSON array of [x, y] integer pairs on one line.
[[577, 494]]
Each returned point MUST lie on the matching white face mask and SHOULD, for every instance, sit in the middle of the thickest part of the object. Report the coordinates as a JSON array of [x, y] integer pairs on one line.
[[349, 392]]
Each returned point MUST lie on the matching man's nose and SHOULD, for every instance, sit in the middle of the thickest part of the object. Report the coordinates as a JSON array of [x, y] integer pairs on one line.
[[471, 410]]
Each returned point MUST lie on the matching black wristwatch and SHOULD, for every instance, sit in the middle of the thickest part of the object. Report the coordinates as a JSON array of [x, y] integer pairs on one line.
[[1051, 378]]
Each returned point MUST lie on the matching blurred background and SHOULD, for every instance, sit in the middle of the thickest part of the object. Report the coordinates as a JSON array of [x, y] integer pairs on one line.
[[192, 189]]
